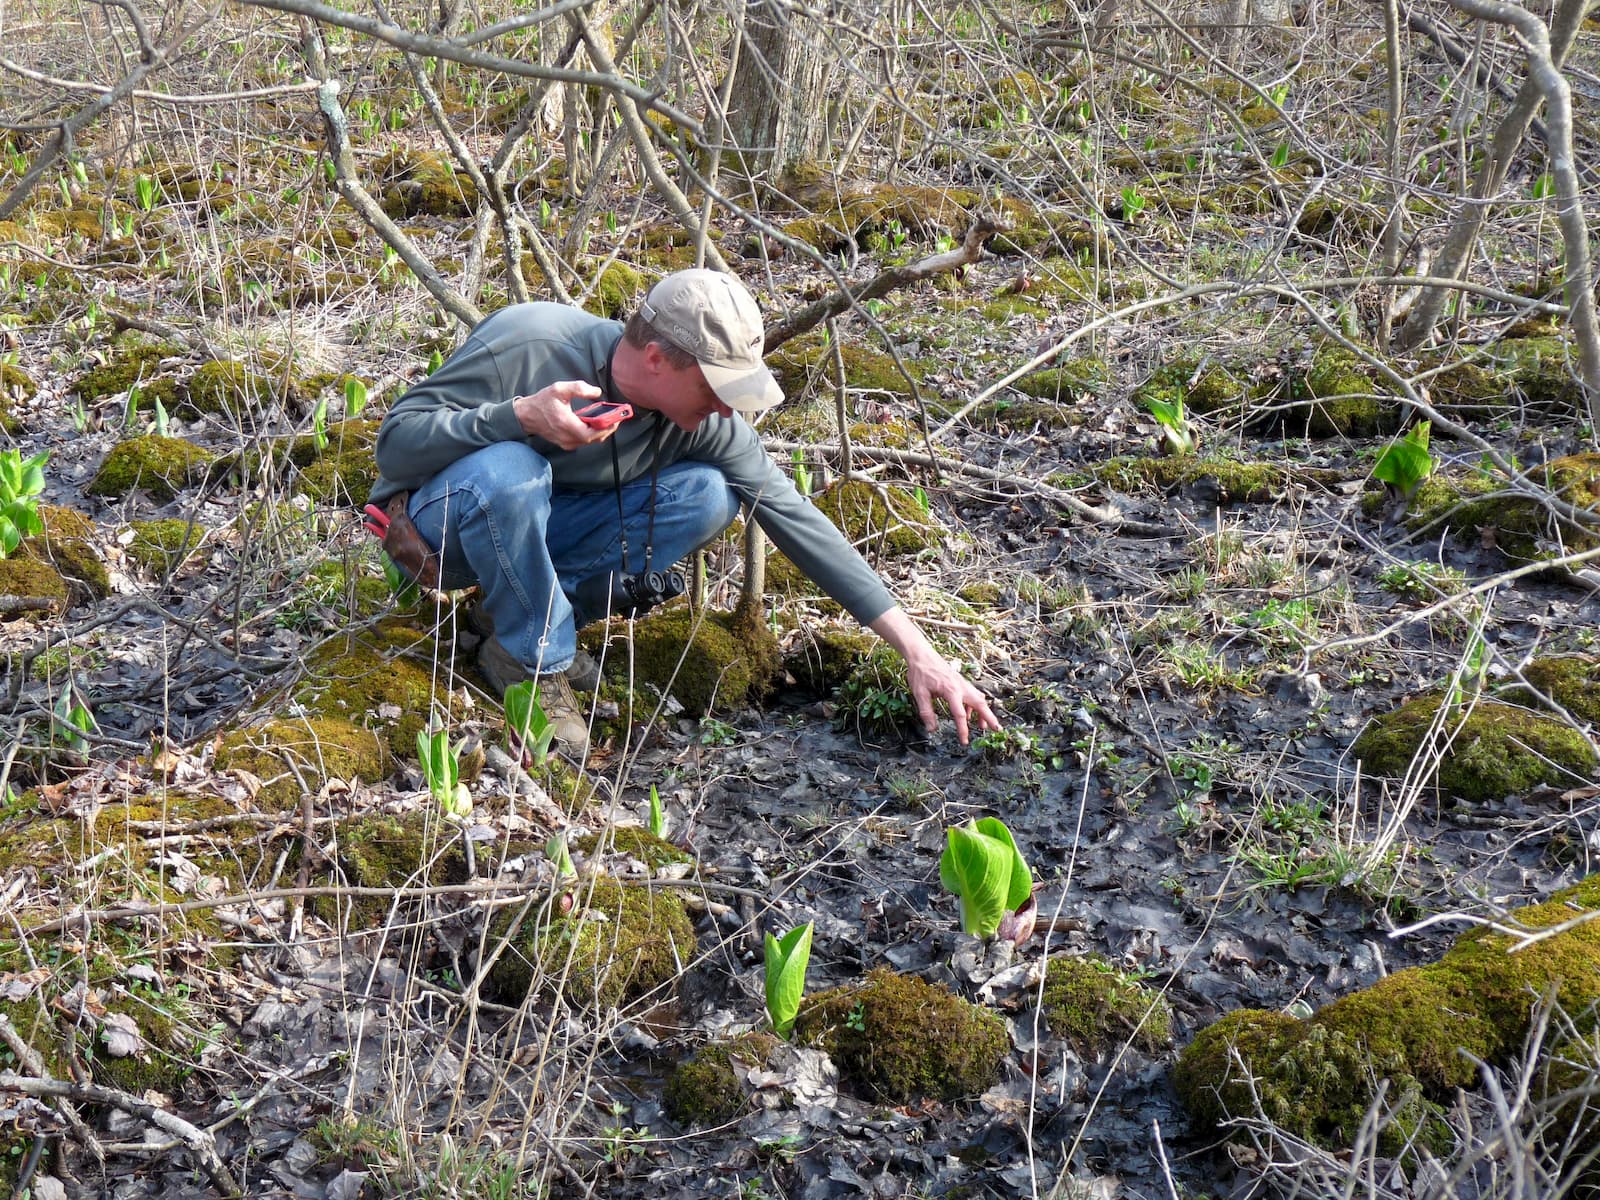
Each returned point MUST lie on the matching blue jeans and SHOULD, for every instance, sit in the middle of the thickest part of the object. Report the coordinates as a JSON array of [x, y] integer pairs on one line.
[[502, 524]]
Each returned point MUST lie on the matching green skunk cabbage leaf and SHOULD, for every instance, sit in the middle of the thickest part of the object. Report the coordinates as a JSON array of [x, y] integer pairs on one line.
[[982, 866], [786, 961]]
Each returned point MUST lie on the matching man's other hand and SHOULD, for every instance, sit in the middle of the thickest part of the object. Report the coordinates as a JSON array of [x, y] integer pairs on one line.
[[931, 678], [548, 414]]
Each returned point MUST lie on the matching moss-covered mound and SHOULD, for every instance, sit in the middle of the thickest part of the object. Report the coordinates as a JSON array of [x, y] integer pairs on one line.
[[1572, 681], [161, 466], [16, 386], [898, 1038], [823, 656], [31, 588], [1317, 1077], [229, 389], [1204, 387], [635, 842], [705, 1090], [159, 546], [380, 680], [1351, 401], [614, 945], [1096, 1007], [133, 362], [615, 291], [295, 755], [1235, 481], [1071, 381], [65, 544], [885, 520], [423, 183], [806, 363], [338, 471], [1498, 750], [1473, 507], [704, 659]]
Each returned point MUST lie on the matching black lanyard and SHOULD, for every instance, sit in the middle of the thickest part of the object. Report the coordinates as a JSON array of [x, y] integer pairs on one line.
[[616, 485]]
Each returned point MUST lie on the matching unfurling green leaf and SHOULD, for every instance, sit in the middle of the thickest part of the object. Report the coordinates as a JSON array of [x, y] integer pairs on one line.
[[982, 866], [786, 961], [527, 726], [658, 816], [1405, 463]]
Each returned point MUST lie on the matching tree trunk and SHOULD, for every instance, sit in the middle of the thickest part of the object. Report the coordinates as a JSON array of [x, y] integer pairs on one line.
[[775, 117]]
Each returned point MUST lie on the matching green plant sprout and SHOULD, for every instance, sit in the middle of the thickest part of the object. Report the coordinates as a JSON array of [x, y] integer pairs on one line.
[[658, 816], [1406, 462], [21, 481], [983, 867], [786, 961], [1133, 203], [527, 725], [560, 858], [71, 719], [130, 409], [161, 418], [1176, 433], [355, 396], [404, 588], [441, 767], [319, 426], [802, 476], [144, 190]]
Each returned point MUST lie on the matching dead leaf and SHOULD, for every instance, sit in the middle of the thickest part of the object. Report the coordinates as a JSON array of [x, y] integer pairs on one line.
[[18, 986], [120, 1032]]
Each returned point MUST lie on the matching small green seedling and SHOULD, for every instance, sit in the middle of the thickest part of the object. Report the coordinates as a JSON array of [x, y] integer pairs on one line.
[[161, 418], [441, 766], [1176, 433], [560, 858], [658, 816], [983, 867], [319, 426], [71, 720], [355, 396], [527, 726], [786, 961], [21, 482], [802, 476], [144, 189], [1406, 462]]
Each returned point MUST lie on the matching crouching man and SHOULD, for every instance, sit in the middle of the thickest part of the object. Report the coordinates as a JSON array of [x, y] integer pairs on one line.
[[563, 463]]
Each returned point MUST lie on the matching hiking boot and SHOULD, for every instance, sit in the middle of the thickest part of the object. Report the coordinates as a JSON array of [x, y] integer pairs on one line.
[[501, 669]]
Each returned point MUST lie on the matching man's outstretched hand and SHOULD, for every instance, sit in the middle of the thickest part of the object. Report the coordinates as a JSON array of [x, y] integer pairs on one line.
[[548, 414], [930, 676]]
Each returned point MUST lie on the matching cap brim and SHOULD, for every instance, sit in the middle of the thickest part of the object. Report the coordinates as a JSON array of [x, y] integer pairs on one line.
[[743, 389]]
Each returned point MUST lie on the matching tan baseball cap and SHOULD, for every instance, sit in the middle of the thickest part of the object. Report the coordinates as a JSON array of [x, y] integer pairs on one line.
[[714, 317]]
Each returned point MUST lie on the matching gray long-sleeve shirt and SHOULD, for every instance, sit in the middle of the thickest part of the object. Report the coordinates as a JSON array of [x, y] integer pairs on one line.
[[468, 403]]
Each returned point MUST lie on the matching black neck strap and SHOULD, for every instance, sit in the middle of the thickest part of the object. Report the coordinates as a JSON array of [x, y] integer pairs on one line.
[[616, 486]]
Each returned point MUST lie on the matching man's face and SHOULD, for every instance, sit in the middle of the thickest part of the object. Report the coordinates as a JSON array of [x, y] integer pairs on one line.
[[684, 397]]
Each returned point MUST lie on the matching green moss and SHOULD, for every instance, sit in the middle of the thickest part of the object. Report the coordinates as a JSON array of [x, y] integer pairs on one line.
[[615, 945], [1096, 1007], [704, 663], [160, 546], [823, 656], [806, 362], [65, 544], [1350, 399], [132, 361], [1075, 380], [636, 842], [423, 183], [376, 681], [227, 389], [1204, 387], [1318, 1077], [887, 520], [1572, 681], [1242, 482], [30, 588], [898, 1038], [704, 1090], [1520, 527], [1543, 372], [615, 291], [1498, 751], [294, 754], [161, 466], [1009, 414]]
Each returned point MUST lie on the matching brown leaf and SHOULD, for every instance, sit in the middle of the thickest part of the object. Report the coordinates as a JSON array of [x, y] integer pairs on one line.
[[120, 1032]]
